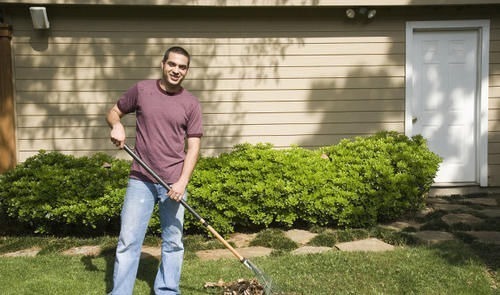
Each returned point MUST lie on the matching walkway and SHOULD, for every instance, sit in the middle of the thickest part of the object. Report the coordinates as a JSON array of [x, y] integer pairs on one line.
[[473, 217]]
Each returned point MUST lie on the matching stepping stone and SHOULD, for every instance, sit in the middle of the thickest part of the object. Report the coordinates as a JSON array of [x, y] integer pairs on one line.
[[246, 252], [465, 218], [424, 212], [149, 251], [400, 225], [83, 250], [435, 200], [241, 240], [449, 207], [367, 245], [481, 201], [310, 250], [491, 213], [433, 237], [299, 236], [492, 237], [31, 252]]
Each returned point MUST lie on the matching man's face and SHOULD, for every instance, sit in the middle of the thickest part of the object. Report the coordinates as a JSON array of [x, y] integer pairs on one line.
[[175, 69]]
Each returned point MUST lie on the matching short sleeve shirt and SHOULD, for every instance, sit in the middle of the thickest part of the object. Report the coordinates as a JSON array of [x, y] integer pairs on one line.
[[163, 122]]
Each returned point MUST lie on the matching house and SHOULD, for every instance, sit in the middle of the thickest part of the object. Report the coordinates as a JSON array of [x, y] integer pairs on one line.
[[304, 72]]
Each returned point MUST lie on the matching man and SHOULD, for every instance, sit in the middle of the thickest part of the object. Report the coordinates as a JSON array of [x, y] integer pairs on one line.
[[167, 118]]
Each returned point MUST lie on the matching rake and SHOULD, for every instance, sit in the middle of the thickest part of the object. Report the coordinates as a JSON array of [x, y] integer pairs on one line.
[[261, 277]]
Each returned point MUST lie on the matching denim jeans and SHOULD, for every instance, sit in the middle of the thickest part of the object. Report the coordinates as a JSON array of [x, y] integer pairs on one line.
[[140, 200]]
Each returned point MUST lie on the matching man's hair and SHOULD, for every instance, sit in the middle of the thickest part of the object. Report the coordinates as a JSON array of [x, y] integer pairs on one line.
[[179, 50]]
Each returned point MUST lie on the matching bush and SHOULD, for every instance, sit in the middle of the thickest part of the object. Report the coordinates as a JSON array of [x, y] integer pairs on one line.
[[389, 173], [365, 180], [56, 193], [355, 183]]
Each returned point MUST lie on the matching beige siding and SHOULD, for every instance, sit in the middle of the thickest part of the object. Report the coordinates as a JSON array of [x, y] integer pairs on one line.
[[229, 3], [305, 77]]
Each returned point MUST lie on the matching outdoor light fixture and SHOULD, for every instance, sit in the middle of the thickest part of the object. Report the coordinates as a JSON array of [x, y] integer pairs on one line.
[[350, 13], [369, 13], [39, 18]]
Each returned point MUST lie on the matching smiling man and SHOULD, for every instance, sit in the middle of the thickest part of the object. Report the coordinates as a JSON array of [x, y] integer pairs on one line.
[[168, 119]]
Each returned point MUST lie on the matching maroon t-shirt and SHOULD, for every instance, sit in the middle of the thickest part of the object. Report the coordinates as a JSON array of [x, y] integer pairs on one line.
[[163, 122]]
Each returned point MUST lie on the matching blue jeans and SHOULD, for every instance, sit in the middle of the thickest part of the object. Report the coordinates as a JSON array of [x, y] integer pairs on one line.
[[140, 200]]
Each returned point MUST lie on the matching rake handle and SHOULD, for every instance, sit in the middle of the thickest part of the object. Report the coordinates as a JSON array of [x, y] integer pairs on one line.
[[183, 203]]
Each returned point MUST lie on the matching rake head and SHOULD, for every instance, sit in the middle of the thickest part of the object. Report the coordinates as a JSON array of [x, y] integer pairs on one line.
[[263, 279]]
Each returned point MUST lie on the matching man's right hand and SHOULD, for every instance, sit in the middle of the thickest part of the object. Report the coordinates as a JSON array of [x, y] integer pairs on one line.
[[117, 130], [118, 135]]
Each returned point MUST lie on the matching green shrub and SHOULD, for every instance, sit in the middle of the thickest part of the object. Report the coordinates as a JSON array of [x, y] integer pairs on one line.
[[56, 193], [389, 173], [365, 180], [355, 183]]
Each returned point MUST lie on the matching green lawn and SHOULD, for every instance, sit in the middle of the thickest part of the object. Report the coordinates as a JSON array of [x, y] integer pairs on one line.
[[450, 268]]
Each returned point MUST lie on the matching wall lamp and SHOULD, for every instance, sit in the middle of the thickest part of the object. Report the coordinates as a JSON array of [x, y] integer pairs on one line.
[[369, 13], [39, 18]]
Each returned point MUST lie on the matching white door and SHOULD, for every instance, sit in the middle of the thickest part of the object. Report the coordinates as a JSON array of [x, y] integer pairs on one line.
[[444, 104]]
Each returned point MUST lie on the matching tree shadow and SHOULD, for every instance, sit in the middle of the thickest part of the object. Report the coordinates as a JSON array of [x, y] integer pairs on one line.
[[62, 106]]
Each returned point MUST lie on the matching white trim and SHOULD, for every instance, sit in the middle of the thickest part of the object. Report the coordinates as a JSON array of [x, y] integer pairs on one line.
[[483, 28]]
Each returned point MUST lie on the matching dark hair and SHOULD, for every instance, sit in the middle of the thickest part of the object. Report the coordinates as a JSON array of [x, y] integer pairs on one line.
[[176, 49]]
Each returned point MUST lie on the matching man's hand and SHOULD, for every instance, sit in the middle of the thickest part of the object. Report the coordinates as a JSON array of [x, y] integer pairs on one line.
[[177, 191], [117, 130], [118, 135]]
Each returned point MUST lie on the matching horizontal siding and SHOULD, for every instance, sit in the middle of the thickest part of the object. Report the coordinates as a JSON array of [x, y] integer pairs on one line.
[[494, 106], [234, 72], [285, 78], [207, 95], [128, 64], [221, 84], [262, 2], [295, 82]]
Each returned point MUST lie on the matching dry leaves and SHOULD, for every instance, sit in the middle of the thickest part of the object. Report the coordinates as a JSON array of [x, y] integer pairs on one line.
[[240, 287]]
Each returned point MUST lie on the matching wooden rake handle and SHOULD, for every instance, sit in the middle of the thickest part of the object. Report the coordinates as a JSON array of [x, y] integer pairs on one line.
[[189, 208]]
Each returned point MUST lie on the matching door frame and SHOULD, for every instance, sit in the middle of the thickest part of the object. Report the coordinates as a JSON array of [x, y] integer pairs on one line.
[[483, 29]]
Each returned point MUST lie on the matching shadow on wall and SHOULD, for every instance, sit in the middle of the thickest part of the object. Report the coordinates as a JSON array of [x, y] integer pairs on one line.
[[69, 79]]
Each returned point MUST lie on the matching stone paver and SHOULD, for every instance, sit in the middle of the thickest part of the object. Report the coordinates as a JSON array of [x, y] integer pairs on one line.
[[31, 252], [241, 239], [246, 252], [371, 244], [450, 207], [400, 225], [481, 201], [299, 236], [149, 251], [465, 218], [491, 213], [311, 250], [433, 237], [83, 250], [492, 237]]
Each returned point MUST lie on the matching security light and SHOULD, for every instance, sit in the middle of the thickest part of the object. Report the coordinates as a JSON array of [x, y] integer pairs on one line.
[[39, 18]]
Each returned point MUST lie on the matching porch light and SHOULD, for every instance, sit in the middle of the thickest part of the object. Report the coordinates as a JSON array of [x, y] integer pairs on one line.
[[369, 13], [39, 18], [350, 13]]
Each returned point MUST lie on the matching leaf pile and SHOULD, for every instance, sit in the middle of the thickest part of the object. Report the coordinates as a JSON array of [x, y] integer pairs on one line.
[[240, 287]]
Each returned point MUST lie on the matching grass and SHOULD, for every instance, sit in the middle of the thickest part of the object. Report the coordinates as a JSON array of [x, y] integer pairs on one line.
[[450, 268], [463, 266]]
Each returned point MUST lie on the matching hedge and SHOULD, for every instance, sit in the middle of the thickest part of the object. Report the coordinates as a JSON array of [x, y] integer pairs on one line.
[[355, 183]]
